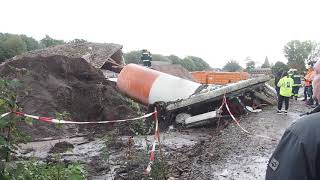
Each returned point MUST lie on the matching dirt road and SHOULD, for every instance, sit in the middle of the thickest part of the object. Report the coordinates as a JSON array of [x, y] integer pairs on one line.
[[234, 155], [201, 153]]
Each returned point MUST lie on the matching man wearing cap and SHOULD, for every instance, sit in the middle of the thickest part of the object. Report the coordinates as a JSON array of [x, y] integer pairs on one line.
[[297, 156]]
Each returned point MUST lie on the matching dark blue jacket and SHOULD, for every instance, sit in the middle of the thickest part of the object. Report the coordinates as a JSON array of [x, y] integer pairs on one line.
[[297, 156], [296, 80]]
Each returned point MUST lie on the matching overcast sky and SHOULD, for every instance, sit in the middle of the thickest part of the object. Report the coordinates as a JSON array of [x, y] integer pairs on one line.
[[215, 30]]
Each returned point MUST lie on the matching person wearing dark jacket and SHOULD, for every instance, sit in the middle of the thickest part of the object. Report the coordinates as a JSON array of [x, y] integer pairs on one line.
[[146, 58], [296, 84], [297, 156]]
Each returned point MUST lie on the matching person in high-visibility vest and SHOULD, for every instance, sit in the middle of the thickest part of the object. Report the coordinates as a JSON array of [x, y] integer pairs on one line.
[[297, 83], [285, 84], [146, 58]]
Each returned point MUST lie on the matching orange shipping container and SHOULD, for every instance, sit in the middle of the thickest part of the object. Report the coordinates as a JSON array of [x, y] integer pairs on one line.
[[222, 78]]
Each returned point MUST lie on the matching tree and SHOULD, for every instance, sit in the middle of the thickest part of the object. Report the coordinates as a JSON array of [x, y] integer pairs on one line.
[[199, 64], [232, 66], [174, 59], [30, 42], [279, 67], [132, 57], [159, 57], [266, 63], [78, 41], [191, 63], [188, 64], [48, 41], [13, 45], [298, 53], [315, 52], [250, 65]]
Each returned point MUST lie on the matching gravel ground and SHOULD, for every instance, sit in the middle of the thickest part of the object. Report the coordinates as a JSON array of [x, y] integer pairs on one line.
[[232, 154], [195, 153]]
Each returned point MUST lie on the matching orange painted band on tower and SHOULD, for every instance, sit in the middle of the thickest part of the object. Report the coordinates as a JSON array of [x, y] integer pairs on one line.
[[136, 82]]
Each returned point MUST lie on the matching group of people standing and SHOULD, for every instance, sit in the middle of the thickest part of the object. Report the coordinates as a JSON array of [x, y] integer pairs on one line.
[[297, 156], [288, 85]]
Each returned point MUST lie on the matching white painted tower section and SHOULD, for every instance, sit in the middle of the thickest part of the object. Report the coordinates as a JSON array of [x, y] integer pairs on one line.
[[171, 88]]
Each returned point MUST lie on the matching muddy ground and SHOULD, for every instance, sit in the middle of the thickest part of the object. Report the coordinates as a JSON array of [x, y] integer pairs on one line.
[[199, 153]]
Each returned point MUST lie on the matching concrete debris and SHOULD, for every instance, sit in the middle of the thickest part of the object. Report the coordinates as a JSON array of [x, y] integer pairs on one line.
[[99, 55]]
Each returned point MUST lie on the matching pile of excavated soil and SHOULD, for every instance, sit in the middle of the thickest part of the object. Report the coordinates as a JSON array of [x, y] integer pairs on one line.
[[61, 84], [173, 69]]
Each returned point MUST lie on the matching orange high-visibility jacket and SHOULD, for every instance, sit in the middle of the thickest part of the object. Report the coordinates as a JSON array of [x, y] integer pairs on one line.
[[309, 76]]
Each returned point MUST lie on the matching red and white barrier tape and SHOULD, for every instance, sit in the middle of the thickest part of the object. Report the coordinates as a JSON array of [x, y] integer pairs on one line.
[[237, 122], [156, 131], [153, 148], [58, 121]]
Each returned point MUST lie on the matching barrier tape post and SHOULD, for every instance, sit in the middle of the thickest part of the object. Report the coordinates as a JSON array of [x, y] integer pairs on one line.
[[158, 132], [156, 139]]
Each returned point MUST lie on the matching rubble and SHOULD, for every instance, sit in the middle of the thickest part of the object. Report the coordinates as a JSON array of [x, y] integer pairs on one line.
[[106, 56]]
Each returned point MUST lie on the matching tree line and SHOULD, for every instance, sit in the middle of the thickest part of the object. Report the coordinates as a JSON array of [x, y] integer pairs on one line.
[[14, 44], [191, 63], [298, 53]]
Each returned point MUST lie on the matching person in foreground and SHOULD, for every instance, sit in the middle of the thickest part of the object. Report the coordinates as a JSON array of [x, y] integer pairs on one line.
[[297, 156]]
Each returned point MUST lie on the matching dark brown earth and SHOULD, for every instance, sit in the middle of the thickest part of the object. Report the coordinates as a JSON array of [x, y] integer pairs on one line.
[[57, 84]]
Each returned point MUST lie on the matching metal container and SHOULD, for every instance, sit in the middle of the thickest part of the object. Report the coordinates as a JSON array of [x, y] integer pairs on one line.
[[149, 86]]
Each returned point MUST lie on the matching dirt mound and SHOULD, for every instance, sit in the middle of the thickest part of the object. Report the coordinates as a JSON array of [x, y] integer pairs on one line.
[[173, 69], [58, 83]]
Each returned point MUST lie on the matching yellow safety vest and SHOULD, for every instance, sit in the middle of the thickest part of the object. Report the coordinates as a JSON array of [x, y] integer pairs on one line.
[[285, 84]]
